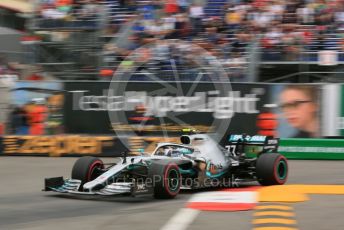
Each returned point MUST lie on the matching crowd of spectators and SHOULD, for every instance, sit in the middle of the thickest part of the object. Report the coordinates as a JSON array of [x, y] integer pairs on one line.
[[186, 20], [292, 30], [68, 13]]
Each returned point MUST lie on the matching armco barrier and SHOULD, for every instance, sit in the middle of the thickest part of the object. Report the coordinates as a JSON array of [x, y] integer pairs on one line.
[[312, 149]]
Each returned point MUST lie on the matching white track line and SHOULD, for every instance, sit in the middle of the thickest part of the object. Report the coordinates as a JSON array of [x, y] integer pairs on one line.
[[181, 220]]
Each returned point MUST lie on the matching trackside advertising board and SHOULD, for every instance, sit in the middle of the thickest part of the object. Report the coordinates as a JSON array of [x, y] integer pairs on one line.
[[155, 109], [312, 149], [147, 108], [332, 123], [164, 108], [61, 145], [107, 146], [140, 112]]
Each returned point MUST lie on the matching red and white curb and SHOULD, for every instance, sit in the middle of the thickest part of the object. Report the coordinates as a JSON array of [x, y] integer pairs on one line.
[[226, 200]]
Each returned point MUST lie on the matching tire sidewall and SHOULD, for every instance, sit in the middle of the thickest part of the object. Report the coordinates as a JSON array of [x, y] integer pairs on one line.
[[267, 169], [92, 167], [275, 170], [84, 167], [160, 186], [167, 170]]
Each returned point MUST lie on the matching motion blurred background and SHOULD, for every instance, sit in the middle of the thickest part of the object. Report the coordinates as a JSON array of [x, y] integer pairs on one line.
[[52, 48]]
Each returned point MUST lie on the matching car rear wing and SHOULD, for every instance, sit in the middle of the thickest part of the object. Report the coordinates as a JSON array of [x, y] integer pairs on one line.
[[268, 143]]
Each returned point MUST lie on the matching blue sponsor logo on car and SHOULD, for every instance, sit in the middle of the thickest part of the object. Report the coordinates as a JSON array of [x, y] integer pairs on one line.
[[256, 138]]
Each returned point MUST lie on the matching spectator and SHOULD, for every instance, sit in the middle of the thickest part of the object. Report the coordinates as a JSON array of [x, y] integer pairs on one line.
[[182, 27], [36, 74], [169, 23], [115, 55], [196, 14], [233, 19], [274, 36], [183, 5], [50, 12], [19, 121], [305, 15], [37, 115], [64, 5], [341, 55], [148, 10], [157, 29], [289, 14], [292, 43], [240, 43], [171, 7], [272, 42], [88, 13], [211, 35], [129, 4], [262, 18], [277, 9]]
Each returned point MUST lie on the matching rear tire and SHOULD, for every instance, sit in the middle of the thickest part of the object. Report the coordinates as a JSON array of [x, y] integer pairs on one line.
[[87, 169], [272, 169], [166, 179]]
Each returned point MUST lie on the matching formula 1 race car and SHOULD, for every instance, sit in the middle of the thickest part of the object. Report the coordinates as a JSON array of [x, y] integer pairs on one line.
[[196, 163]]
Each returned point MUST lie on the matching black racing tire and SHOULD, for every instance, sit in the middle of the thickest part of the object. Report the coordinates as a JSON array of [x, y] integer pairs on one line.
[[166, 179], [87, 169], [272, 169]]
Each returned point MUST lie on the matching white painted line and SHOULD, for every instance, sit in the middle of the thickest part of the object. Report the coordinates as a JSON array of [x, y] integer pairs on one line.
[[181, 220]]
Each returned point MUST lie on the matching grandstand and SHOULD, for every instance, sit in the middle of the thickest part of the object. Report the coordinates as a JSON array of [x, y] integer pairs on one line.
[[256, 40]]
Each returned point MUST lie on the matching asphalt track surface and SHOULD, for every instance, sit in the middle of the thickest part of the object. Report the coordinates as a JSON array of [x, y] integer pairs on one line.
[[24, 206]]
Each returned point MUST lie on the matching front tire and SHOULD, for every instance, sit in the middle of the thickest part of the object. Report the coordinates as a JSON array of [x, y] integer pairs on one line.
[[272, 169], [166, 179], [87, 169]]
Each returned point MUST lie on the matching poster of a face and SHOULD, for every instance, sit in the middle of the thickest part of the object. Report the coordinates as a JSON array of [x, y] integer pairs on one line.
[[297, 109]]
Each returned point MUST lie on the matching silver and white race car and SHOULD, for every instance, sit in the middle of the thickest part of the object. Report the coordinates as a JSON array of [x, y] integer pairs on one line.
[[196, 163]]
